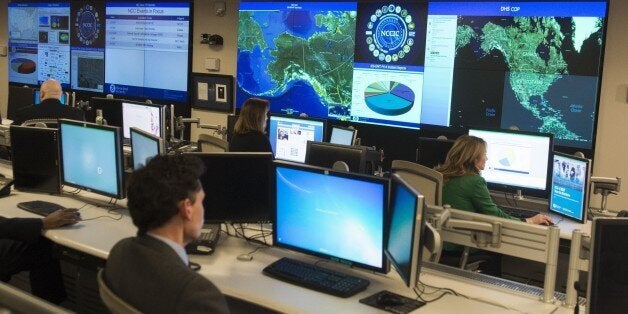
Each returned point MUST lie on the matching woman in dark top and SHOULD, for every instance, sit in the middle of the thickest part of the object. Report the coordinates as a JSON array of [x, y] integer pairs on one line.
[[248, 133]]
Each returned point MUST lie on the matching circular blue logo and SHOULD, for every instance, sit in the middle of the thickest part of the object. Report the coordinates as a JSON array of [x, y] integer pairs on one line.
[[390, 33], [87, 25]]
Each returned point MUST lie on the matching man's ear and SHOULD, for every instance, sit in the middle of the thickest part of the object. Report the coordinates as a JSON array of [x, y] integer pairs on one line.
[[185, 208]]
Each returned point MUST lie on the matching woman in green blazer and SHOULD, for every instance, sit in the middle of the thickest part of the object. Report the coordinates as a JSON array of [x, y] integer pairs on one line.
[[465, 189]]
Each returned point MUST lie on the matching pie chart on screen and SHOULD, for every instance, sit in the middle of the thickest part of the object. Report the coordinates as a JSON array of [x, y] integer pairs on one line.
[[389, 98], [23, 65]]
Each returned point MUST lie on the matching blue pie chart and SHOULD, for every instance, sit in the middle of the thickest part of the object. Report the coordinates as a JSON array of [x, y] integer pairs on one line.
[[389, 98]]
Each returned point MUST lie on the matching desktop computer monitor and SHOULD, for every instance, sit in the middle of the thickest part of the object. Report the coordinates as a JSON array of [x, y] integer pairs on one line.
[[238, 187], [334, 215], [37, 100], [405, 230], [147, 117], [433, 151], [607, 288], [19, 97], [323, 154], [517, 160], [91, 157], [111, 110], [35, 159], [343, 136], [569, 191], [288, 135], [144, 146]]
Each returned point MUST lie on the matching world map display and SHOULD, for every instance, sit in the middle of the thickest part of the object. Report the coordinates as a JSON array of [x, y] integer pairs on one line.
[[548, 68], [300, 59]]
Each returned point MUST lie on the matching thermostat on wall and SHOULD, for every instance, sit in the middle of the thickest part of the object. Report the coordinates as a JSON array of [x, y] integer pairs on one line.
[[212, 64]]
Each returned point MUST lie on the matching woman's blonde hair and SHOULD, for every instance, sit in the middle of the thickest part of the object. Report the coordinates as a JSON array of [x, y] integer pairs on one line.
[[252, 116], [462, 156]]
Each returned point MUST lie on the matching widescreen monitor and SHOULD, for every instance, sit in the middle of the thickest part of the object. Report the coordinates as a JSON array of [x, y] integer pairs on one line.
[[432, 152], [288, 135], [37, 99], [91, 157], [35, 159], [517, 160], [569, 191], [334, 215], [445, 63], [324, 154], [238, 187], [405, 230], [108, 47], [146, 117], [144, 146], [111, 110], [607, 288]]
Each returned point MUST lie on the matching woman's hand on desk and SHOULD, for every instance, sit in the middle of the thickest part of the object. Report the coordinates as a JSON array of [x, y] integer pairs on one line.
[[61, 217], [540, 219]]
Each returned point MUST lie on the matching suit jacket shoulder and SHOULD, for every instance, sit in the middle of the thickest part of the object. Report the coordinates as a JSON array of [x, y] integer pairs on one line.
[[149, 275]]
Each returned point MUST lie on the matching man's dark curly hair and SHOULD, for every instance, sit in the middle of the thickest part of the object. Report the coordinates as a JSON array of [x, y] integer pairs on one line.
[[155, 190]]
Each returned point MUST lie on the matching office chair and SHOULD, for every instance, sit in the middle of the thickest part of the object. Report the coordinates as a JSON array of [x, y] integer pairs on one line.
[[430, 182], [207, 143], [41, 123], [111, 300], [425, 180], [340, 166]]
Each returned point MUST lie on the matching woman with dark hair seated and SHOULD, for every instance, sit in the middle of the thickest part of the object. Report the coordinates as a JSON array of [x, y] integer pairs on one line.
[[248, 134]]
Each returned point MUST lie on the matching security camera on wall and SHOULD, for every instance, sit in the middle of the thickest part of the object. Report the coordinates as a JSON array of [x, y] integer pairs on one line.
[[220, 7]]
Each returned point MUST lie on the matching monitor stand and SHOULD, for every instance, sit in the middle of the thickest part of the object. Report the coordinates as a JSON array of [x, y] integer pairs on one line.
[[519, 196]]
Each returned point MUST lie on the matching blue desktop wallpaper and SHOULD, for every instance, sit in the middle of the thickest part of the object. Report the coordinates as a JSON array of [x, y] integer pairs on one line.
[[400, 238], [331, 215], [89, 158]]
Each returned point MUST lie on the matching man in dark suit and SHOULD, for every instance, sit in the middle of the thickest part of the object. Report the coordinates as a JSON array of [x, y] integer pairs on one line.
[[23, 248], [50, 106], [150, 271]]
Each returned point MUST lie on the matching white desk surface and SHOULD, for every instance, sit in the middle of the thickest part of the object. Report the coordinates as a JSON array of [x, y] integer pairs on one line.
[[245, 280]]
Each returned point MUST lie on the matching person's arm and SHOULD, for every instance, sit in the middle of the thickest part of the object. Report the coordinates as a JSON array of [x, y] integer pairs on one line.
[[483, 202], [21, 229], [29, 229], [202, 296]]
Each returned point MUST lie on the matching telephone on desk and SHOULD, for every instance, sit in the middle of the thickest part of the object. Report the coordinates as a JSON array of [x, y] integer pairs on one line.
[[5, 185], [206, 243]]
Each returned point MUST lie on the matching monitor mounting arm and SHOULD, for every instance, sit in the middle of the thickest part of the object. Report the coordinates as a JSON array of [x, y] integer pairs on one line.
[[181, 121]]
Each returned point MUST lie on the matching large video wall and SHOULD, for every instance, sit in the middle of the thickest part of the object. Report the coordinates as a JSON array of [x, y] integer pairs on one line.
[[137, 49], [534, 65]]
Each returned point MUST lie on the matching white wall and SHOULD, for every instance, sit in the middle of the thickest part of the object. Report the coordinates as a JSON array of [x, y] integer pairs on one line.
[[611, 149], [612, 132]]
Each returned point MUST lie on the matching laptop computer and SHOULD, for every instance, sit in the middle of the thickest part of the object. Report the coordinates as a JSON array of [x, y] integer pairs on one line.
[[569, 194]]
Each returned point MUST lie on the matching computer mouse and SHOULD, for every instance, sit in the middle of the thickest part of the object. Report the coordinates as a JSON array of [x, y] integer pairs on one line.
[[389, 299], [245, 257]]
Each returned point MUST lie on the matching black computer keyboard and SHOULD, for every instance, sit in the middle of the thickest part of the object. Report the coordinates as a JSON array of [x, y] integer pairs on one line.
[[519, 212], [315, 277], [41, 208]]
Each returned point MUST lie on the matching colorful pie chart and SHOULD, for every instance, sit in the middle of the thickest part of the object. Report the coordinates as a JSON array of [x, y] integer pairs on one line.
[[23, 65], [389, 98]]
